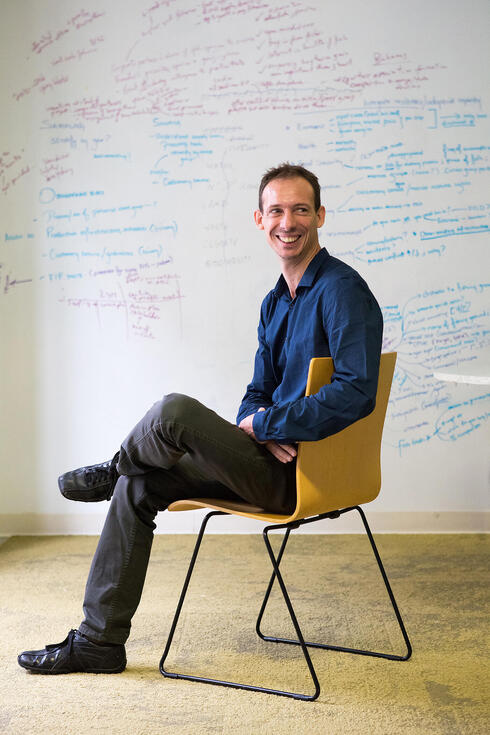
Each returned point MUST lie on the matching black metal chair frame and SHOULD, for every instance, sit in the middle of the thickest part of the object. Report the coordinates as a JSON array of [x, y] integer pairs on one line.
[[300, 638]]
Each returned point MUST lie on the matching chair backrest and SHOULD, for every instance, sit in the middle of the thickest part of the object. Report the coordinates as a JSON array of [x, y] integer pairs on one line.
[[344, 469]]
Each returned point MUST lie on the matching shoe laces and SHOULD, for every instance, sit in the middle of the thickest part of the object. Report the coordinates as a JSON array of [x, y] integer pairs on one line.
[[68, 641], [96, 475]]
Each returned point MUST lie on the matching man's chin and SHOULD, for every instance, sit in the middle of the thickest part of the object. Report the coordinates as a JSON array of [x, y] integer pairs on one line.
[[290, 252], [294, 253]]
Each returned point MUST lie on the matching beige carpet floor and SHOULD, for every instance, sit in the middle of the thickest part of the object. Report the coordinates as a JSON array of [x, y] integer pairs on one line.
[[441, 584]]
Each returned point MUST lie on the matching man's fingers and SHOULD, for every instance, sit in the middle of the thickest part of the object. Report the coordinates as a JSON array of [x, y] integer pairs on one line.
[[277, 452], [282, 452], [290, 449]]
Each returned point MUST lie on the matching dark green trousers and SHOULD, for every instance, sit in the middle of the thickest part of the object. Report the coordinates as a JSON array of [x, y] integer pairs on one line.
[[180, 449]]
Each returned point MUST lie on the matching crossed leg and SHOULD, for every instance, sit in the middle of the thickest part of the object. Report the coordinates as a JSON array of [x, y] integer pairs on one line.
[[180, 449]]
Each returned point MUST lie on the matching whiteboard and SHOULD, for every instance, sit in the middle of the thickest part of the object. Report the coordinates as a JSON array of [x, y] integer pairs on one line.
[[134, 135]]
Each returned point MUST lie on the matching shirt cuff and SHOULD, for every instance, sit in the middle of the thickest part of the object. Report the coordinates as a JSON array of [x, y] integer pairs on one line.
[[258, 425]]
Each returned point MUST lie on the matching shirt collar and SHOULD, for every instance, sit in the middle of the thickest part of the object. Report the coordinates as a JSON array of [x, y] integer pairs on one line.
[[308, 277]]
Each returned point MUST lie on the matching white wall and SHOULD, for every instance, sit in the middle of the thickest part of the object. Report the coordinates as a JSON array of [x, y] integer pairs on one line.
[[133, 138]]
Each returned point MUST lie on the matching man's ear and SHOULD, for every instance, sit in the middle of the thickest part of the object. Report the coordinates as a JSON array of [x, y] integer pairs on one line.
[[320, 216], [258, 219]]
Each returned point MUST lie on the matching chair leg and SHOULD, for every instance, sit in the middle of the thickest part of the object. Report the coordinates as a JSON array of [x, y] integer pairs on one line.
[[269, 590], [183, 594], [273, 639], [236, 685]]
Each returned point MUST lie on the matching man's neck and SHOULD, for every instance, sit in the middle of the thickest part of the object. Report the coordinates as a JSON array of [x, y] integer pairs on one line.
[[293, 271]]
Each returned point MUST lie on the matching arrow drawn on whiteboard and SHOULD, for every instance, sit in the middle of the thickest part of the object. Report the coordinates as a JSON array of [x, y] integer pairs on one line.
[[354, 181], [340, 207]]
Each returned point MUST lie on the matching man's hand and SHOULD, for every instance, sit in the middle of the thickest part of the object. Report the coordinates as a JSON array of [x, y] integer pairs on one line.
[[246, 425], [283, 452]]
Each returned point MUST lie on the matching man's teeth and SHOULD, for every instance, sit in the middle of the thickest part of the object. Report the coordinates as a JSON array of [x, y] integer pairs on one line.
[[288, 239]]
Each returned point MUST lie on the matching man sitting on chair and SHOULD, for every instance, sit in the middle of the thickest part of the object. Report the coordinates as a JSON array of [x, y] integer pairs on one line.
[[180, 449]]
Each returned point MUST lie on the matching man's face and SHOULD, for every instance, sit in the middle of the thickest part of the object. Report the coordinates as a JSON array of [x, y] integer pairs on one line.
[[289, 218]]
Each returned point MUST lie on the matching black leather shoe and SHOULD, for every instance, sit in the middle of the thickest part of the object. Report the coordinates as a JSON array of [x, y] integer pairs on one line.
[[75, 653], [90, 484]]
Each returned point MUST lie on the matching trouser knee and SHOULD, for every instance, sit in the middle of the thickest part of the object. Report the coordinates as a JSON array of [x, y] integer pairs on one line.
[[177, 407]]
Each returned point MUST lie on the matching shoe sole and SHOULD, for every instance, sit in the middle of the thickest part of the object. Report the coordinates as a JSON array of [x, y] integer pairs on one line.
[[75, 496], [73, 671], [82, 496]]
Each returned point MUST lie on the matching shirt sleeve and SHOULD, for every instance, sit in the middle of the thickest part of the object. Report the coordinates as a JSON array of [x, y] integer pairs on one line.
[[259, 391], [353, 325]]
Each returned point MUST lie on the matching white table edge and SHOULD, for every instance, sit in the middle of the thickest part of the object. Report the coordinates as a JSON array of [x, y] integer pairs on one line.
[[463, 378]]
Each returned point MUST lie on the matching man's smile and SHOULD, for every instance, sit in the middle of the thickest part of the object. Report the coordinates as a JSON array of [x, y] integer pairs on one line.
[[288, 239]]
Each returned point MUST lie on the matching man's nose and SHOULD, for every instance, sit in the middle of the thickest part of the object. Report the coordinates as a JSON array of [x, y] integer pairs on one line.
[[287, 220]]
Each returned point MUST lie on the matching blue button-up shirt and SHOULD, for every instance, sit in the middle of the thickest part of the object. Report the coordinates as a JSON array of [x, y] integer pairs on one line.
[[334, 314]]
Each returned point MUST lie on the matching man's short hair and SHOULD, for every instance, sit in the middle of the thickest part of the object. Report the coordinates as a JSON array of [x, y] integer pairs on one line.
[[289, 171]]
